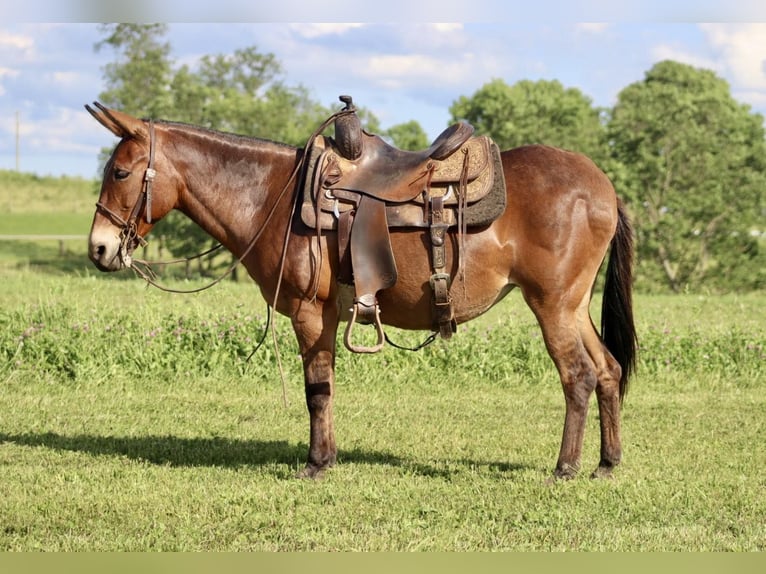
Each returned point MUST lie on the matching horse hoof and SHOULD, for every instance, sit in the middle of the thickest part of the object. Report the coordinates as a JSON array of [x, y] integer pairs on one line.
[[564, 472], [602, 472], [559, 476], [311, 471]]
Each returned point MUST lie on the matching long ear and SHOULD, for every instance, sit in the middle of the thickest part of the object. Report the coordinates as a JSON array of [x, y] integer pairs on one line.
[[120, 124]]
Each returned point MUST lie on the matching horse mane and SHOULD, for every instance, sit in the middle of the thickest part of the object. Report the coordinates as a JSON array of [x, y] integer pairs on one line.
[[223, 136]]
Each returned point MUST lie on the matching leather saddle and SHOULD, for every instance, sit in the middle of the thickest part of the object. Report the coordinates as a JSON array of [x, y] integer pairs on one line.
[[360, 186]]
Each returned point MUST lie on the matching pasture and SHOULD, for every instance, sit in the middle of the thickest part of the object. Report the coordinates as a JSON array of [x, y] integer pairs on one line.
[[130, 420]]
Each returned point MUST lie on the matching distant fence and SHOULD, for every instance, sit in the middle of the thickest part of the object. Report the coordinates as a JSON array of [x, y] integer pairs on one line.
[[42, 237]]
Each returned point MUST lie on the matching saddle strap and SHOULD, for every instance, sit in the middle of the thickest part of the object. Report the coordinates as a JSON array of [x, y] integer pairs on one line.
[[345, 269], [440, 280]]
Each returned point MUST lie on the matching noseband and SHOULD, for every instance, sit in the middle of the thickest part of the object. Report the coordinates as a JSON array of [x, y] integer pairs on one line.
[[129, 228]]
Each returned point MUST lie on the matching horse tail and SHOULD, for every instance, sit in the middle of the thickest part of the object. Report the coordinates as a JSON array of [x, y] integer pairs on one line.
[[617, 328]]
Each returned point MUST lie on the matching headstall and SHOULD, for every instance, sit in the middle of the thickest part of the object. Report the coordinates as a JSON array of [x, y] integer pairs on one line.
[[129, 228]]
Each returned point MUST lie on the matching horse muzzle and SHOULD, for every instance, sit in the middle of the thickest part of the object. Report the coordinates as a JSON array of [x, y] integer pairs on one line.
[[104, 251]]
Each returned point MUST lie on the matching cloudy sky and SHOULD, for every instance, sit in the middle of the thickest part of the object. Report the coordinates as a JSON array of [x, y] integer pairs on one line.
[[400, 71]]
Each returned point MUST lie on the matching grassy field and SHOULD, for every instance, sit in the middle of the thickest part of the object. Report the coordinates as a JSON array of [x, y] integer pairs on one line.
[[130, 419], [24, 193]]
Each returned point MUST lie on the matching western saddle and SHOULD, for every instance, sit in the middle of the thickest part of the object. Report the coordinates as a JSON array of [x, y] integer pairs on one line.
[[360, 186]]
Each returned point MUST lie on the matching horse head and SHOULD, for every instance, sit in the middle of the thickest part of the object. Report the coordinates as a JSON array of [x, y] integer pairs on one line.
[[138, 189]]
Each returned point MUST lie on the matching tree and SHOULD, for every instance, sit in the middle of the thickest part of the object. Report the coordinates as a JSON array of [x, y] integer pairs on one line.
[[137, 81], [409, 136], [692, 171], [535, 112]]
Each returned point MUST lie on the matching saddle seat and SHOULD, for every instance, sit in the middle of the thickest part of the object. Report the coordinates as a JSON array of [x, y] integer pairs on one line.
[[394, 175], [359, 186], [406, 182]]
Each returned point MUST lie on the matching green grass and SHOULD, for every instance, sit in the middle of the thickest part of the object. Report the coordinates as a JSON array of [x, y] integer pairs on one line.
[[130, 420]]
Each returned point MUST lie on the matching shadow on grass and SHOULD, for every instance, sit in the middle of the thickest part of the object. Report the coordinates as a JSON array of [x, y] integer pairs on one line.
[[225, 452]]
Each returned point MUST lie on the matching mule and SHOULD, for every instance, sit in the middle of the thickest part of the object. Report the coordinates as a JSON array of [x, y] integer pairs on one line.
[[562, 217]]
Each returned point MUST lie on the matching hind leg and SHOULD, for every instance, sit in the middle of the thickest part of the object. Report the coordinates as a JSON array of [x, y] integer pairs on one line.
[[608, 374], [578, 379]]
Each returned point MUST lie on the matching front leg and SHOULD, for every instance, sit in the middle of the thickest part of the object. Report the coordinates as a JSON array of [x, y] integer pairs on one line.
[[315, 326]]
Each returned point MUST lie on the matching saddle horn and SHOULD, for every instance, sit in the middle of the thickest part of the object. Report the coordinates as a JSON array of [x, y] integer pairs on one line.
[[348, 131]]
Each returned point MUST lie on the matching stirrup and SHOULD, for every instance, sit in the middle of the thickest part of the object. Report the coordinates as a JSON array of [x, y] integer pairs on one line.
[[372, 314]]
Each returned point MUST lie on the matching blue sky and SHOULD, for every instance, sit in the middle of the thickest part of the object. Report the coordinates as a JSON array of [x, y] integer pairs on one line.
[[400, 71]]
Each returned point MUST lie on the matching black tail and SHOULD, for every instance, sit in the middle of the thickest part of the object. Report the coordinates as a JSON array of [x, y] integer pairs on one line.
[[617, 329]]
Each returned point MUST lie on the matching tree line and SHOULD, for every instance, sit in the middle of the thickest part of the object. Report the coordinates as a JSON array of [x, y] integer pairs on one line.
[[688, 160]]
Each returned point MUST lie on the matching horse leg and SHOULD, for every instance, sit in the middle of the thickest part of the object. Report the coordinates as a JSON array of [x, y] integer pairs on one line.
[[583, 364], [608, 373], [564, 342], [315, 325]]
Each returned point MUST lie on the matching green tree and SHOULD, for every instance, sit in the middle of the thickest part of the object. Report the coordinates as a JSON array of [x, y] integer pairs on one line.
[[137, 81], [692, 164], [535, 112], [409, 136]]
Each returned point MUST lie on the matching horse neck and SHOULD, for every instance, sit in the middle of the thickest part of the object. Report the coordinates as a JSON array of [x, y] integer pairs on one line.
[[232, 183]]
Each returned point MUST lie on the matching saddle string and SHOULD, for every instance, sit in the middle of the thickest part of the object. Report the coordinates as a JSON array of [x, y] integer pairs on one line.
[[430, 339], [263, 337], [129, 234], [462, 225], [149, 262], [238, 261], [318, 183]]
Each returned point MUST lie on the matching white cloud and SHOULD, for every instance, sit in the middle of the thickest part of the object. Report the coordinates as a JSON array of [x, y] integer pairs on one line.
[[592, 27], [66, 78], [423, 58], [742, 52], [8, 72], [447, 27], [754, 98], [668, 52], [326, 29], [418, 70], [58, 129], [16, 41]]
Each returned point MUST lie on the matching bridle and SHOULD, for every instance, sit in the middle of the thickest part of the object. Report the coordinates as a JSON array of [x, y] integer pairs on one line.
[[129, 237]]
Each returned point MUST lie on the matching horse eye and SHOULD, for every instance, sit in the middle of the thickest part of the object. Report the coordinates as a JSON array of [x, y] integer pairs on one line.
[[121, 173]]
